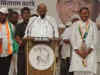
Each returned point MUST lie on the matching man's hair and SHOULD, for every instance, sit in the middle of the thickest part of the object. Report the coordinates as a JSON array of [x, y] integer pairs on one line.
[[11, 13], [40, 5], [14, 12], [58, 1], [84, 8], [25, 9]]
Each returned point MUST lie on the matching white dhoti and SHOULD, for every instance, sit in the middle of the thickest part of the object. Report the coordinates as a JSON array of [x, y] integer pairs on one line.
[[83, 73], [76, 63]]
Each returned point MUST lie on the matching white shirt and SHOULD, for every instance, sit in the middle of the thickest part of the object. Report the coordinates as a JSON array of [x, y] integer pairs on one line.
[[66, 48], [91, 38], [38, 27], [67, 33]]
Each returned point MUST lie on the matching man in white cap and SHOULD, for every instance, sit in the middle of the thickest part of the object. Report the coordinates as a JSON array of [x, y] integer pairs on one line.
[[7, 43]]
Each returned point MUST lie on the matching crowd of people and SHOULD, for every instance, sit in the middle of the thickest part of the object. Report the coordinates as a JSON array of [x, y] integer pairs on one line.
[[76, 42]]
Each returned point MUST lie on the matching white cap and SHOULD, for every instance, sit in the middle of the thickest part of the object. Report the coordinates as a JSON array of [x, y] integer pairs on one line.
[[69, 23], [4, 10], [75, 16], [61, 26]]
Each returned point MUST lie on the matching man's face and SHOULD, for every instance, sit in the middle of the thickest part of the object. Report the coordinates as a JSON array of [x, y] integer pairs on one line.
[[84, 14], [14, 18], [42, 10], [26, 15], [2, 17], [67, 8]]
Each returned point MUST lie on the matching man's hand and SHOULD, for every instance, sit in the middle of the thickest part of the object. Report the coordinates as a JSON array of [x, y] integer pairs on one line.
[[81, 53], [66, 41], [84, 53], [89, 50], [18, 39]]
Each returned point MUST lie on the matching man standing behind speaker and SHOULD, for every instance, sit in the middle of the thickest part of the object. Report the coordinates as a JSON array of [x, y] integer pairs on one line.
[[20, 29]]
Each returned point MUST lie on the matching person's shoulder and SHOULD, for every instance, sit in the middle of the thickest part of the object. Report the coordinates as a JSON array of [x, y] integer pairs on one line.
[[10, 23], [76, 23], [50, 17], [92, 22], [79, 21], [34, 17], [19, 24]]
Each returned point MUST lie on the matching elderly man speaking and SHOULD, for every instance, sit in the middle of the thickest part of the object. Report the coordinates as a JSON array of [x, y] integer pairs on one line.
[[43, 25]]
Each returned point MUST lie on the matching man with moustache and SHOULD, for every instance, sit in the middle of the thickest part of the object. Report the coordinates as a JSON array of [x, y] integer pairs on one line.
[[83, 40], [13, 17], [43, 26]]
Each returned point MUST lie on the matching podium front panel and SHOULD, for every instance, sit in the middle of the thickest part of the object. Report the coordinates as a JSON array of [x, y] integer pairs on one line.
[[34, 71]]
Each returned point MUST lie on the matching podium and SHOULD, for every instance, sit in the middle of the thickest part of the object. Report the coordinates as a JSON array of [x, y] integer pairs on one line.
[[35, 46]]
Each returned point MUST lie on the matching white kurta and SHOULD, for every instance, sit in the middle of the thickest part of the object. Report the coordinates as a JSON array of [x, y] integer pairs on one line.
[[76, 62], [66, 49], [38, 27], [67, 33]]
